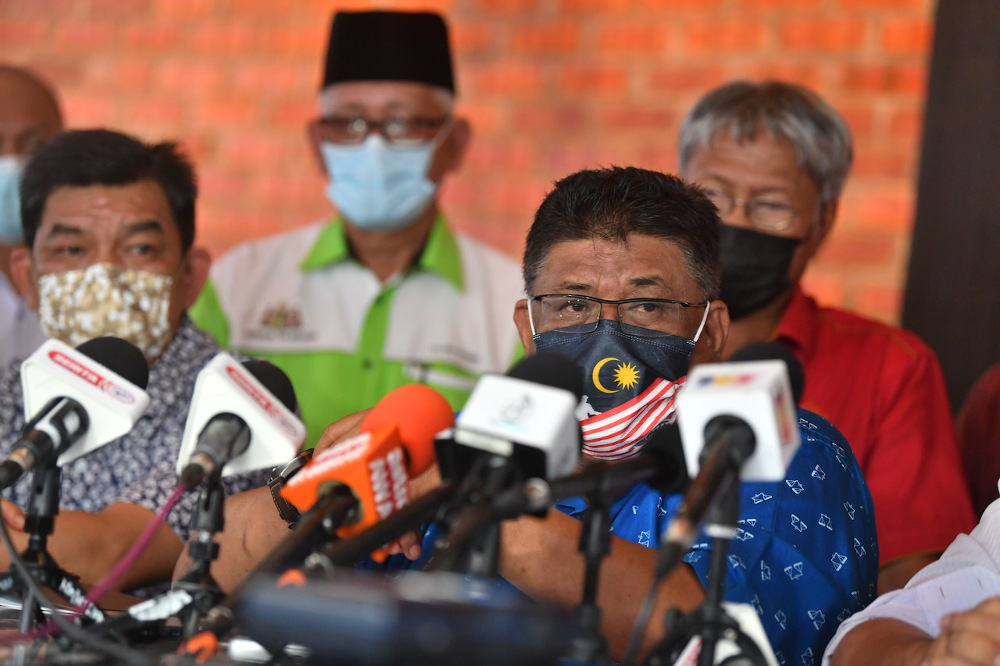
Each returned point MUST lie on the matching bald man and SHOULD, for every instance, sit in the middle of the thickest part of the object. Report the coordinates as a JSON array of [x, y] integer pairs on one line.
[[29, 116]]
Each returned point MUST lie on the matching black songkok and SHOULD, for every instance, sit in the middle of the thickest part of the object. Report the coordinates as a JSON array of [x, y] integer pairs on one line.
[[389, 46]]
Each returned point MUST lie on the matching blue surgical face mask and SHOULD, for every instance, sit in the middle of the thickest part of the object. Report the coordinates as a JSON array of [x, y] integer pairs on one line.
[[10, 202], [379, 187], [631, 376]]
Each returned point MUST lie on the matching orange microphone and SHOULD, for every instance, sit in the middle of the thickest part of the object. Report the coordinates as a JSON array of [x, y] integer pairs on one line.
[[395, 444]]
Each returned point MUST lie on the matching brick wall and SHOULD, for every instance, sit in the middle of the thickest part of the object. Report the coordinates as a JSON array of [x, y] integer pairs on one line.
[[551, 86]]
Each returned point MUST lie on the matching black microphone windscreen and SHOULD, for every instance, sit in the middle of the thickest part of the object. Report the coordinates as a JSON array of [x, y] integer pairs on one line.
[[665, 444], [551, 369], [274, 380], [119, 356], [770, 351]]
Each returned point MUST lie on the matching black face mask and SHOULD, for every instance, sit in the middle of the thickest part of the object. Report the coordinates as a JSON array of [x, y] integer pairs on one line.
[[754, 268]]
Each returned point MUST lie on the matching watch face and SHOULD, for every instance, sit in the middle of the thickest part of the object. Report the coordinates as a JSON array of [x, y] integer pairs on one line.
[[285, 472]]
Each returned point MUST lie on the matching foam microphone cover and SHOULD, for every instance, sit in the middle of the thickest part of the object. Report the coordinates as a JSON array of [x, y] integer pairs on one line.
[[274, 380], [395, 444], [550, 369], [119, 356], [419, 413], [767, 351]]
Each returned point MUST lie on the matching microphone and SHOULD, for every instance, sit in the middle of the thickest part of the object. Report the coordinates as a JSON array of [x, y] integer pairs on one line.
[[395, 444], [242, 418], [76, 400], [737, 421], [527, 417], [660, 464]]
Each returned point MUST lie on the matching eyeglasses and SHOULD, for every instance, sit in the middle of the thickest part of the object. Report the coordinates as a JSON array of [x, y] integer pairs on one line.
[[554, 312], [763, 213], [398, 131]]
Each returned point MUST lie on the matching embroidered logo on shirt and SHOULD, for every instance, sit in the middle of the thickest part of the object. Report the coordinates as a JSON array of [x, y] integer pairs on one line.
[[280, 322], [281, 316]]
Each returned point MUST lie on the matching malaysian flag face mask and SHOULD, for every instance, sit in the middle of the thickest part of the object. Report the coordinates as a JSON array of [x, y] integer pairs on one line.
[[631, 376]]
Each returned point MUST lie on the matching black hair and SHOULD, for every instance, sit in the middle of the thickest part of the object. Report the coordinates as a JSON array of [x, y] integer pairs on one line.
[[84, 158], [610, 204]]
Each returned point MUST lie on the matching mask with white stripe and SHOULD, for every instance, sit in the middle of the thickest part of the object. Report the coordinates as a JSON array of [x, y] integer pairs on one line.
[[630, 379]]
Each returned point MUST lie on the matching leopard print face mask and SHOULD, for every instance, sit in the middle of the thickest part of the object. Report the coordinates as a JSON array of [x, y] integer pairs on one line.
[[105, 299]]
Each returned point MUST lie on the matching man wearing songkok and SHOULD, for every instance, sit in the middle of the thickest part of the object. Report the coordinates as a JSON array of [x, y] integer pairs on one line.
[[387, 293]]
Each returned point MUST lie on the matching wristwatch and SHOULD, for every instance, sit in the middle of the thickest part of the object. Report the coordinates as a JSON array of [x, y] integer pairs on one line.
[[279, 475]]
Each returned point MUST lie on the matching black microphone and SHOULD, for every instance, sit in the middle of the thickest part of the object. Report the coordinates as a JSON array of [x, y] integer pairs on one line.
[[738, 421], [93, 377], [227, 435]]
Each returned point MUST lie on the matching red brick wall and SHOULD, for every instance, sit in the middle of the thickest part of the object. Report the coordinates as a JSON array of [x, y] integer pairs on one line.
[[551, 86]]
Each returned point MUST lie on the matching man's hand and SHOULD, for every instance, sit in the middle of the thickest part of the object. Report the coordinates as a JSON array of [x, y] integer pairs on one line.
[[12, 515], [338, 431], [972, 637], [966, 639], [349, 426]]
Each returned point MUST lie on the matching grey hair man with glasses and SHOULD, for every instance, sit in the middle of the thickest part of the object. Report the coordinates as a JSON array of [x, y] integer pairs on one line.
[[774, 157], [387, 293]]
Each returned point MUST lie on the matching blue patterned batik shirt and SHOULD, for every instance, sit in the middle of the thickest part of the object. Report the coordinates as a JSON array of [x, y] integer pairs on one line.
[[805, 555]]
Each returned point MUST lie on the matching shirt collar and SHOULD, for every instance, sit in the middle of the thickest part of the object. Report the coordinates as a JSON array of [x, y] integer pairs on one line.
[[798, 326], [440, 255]]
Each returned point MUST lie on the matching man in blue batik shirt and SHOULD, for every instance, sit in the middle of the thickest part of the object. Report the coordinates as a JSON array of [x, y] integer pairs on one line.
[[621, 272]]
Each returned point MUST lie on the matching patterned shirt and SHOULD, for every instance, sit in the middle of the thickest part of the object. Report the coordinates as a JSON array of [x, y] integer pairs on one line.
[[805, 555], [140, 467]]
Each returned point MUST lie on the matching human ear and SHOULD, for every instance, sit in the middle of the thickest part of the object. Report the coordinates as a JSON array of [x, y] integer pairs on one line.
[[196, 268], [523, 324], [713, 335], [22, 274]]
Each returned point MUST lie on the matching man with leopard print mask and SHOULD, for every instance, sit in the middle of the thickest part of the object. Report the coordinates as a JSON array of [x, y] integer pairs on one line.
[[109, 227]]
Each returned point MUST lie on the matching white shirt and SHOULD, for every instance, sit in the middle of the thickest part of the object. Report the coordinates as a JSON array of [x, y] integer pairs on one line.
[[20, 333], [967, 574]]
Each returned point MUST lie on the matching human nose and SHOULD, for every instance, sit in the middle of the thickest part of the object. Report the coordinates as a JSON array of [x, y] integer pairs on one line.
[[738, 214]]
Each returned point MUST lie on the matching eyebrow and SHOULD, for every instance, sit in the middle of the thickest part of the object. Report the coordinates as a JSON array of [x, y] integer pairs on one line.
[[763, 189], [60, 229], [146, 225], [64, 229]]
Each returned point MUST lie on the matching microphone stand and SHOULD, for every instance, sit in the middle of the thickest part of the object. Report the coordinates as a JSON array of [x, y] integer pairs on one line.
[[470, 540], [590, 646], [199, 582], [710, 621], [43, 507]]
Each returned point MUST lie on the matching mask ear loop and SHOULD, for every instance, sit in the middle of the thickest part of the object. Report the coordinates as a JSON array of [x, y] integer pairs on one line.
[[531, 321], [701, 327]]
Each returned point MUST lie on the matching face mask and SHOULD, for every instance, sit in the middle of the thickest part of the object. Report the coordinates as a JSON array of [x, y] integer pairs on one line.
[[104, 299], [379, 187], [754, 268], [10, 202], [629, 382]]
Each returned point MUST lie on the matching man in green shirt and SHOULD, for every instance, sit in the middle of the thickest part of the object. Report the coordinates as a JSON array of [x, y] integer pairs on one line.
[[387, 293]]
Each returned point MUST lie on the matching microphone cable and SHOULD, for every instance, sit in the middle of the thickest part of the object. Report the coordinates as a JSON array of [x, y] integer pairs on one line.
[[65, 624]]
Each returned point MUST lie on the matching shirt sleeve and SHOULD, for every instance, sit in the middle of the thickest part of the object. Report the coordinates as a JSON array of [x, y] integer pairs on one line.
[[967, 574]]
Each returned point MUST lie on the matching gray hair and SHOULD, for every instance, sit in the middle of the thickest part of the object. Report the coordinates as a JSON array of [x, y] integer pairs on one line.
[[815, 129]]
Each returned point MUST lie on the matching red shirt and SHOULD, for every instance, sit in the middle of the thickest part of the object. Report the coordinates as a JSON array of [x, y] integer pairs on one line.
[[883, 389], [979, 438]]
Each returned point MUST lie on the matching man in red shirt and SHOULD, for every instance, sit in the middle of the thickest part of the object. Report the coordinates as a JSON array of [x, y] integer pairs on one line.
[[773, 157]]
